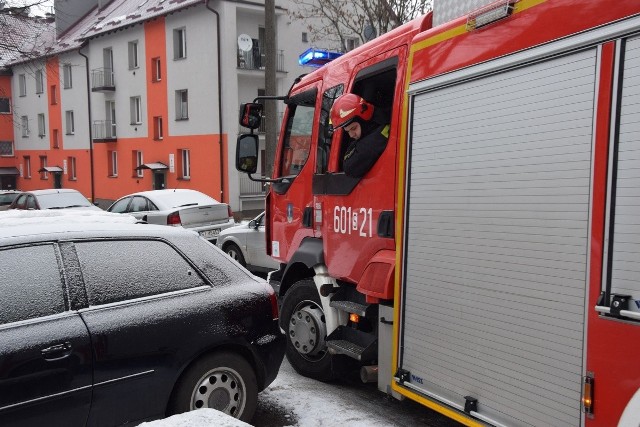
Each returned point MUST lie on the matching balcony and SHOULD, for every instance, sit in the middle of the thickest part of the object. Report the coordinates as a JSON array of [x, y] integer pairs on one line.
[[104, 131], [255, 60], [102, 80]]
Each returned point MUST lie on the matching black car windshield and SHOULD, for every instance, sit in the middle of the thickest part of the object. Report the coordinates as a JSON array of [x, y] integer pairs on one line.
[[62, 200]]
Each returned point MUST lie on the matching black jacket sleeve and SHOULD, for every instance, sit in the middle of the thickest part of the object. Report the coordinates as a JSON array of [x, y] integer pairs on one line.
[[363, 153]]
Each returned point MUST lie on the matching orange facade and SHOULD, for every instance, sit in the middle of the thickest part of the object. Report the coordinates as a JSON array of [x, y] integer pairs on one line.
[[90, 170]]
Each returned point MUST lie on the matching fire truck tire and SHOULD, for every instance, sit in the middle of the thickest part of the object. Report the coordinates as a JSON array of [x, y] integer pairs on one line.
[[302, 320]]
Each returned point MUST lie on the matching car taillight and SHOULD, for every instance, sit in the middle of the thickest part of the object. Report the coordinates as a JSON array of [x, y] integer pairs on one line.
[[229, 211], [275, 313], [174, 219]]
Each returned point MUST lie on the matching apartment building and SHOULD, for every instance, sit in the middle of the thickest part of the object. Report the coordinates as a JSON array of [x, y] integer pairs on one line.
[[139, 95]]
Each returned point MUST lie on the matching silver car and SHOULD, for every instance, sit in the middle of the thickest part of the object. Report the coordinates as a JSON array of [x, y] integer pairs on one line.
[[60, 198], [246, 244], [185, 208]]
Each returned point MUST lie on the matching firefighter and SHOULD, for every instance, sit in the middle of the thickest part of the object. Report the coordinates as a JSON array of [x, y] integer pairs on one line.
[[368, 133]]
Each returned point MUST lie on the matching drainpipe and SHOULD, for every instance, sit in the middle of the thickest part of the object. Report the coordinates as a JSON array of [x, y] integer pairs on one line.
[[86, 60], [222, 159]]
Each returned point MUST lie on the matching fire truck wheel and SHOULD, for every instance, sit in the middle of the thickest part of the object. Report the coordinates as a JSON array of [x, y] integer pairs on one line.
[[302, 319]]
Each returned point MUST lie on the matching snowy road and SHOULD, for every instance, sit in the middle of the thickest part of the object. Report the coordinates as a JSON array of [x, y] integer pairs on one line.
[[293, 400]]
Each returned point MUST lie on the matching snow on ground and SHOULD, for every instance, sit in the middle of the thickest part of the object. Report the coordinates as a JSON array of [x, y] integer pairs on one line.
[[199, 418]]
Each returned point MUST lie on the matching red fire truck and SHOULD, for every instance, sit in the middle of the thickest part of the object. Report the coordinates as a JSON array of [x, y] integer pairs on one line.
[[487, 266]]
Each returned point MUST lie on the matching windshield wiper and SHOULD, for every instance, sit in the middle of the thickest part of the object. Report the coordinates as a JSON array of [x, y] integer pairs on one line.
[[188, 204]]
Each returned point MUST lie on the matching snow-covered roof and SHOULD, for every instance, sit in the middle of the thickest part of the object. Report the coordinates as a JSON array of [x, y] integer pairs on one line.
[[40, 35], [24, 38], [117, 15]]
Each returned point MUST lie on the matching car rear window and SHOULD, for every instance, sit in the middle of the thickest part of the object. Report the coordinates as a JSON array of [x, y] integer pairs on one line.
[[125, 269], [62, 200], [30, 285]]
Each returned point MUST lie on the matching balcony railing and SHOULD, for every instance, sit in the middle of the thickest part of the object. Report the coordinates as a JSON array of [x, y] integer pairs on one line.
[[255, 60], [102, 80], [104, 131], [251, 188]]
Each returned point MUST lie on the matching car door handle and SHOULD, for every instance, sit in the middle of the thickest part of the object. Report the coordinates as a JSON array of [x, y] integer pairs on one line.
[[56, 352]]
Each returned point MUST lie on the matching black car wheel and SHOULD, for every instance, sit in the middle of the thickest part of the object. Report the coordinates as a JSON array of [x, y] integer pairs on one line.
[[234, 252], [223, 381], [302, 319]]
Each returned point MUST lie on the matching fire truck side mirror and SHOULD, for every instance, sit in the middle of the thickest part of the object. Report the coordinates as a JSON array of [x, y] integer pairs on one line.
[[247, 153], [251, 115]]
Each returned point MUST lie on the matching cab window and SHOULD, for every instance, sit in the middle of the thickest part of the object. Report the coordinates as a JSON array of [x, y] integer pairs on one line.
[[325, 129], [297, 138]]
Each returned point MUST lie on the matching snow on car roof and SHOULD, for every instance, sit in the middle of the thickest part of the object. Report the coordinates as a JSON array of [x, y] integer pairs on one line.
[[178, 197], [30, 222]]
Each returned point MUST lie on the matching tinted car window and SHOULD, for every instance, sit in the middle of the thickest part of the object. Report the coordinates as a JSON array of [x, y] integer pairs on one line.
[[139, 204], [7, 198], [31, 203], [30, 284], [120, 270], [120, 206], [20, 202]]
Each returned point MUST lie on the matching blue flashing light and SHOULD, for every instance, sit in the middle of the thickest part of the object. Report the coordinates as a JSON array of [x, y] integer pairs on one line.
[[316, 57]]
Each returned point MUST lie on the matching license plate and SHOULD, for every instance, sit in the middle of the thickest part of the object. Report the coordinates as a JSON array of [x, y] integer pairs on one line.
[[210, 234]]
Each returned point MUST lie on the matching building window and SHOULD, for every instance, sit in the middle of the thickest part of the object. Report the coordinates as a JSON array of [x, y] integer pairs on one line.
[[41, 126], [133, 54], [73, 176], [27, 166], [136, 110], [24, 123], [5, 105], [43, 165], [113, 163], [182, 104], [185, 166], [352, 44], [158, 134], [56, 138], [67, 76], [69, 122], [39, 82], [22, 83], [156, 70], [180, 43], [54, 94], [6, 148], [305, 38], [138, 161]]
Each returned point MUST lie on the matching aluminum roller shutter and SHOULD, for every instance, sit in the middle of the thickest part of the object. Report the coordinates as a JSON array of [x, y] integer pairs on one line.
[[497, 235], [625, 271]]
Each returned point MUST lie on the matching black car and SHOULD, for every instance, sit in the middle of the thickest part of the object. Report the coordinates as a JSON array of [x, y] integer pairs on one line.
[[113, 324]]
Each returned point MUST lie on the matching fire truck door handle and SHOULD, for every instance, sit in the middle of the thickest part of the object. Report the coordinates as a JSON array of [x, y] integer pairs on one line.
[[385, 321]]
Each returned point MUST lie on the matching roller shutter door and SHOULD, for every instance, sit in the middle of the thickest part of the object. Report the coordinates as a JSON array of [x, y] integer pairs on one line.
[[496, 251], [625, 271]]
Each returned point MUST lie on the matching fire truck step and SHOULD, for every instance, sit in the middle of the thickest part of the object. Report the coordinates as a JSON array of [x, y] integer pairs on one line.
[[350, 307], [353, 343]]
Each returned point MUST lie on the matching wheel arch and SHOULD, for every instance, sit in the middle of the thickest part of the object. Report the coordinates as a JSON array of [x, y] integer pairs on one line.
[[236, 348], [309, 253]]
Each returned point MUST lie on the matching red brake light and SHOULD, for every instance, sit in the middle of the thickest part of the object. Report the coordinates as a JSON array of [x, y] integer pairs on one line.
[[229, 211], [174, 219], [275, 314]]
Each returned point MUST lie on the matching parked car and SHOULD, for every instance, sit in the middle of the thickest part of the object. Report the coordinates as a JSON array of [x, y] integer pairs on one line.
[[246, 244], [53, 198], [179, 207], [6, 197], [117, 323]]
